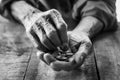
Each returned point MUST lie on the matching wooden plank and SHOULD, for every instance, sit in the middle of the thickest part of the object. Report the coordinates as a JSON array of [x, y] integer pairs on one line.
[[107, 52], [86, 72], [32, 69], [15, 51], [13, 43], [40, 71]]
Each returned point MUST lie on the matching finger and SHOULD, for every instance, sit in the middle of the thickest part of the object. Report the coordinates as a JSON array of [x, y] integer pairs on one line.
[[82, 52], [45, 57], [74, 43], [62, 65], [51, 32], [35, 40], [40, 55], [61, 26], [73, 49], [42, 35], [49, 58]]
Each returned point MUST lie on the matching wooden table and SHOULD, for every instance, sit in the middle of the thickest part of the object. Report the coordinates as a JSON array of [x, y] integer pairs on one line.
[[18, 60]]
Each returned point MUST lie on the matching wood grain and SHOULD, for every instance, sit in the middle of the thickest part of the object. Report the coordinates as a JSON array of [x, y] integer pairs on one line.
[[18, 60], [107, 52], [86, 72], [15, 51]]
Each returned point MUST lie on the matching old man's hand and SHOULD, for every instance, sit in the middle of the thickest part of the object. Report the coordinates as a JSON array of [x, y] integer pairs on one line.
[[48, 31], [79, 48], [49, 34]]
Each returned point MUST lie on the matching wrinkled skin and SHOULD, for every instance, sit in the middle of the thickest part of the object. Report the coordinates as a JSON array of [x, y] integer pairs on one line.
[[79, 45], [50, 32]]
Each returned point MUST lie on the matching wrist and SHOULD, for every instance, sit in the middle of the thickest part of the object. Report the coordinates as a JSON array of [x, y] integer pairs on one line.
[[89, 26], [26, 14], [20, 13], [79, 33], [30, 19]]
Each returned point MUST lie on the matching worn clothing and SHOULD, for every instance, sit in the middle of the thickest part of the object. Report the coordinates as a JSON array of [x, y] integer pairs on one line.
[[73, 10]]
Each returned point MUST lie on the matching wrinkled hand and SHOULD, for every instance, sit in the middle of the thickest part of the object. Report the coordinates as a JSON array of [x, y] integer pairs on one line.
[[80, 46], [48, 30]]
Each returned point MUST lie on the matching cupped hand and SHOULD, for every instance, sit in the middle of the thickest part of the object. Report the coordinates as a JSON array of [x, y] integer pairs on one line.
[[80, 45], [48, 32]]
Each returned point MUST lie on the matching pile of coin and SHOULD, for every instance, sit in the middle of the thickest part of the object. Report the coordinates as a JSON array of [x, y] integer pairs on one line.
[[62, 55]]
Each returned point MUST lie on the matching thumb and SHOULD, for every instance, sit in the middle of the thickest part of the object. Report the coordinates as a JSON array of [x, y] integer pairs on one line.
[[82, 53], [45, 57]]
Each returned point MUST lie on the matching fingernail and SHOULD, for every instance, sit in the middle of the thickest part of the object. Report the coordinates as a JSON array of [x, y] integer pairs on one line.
[[81, 60], [71, 60], [73, 49], [48, 58], [53, 66], [64, 47], [40, 55]]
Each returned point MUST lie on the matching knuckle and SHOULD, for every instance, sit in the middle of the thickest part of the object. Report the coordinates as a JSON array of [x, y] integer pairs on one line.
[[40, 55], [28, 33], [55, 66], [43, 40], [62, 26], [89, 45], [29, 29], [51, 12], [54, 11], [44, 17], [87, 41], [45, 13], [51, 33]]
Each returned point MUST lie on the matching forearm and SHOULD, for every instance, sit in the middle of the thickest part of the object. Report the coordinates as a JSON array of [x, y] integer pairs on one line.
[[20, 10], [89, 26]]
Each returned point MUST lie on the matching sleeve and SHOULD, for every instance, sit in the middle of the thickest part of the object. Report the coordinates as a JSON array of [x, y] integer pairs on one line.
[[5, 7], [104, 10]]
